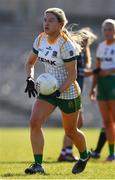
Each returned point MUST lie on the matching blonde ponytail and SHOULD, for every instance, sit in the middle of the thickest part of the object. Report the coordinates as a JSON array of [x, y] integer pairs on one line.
[[76, 38]]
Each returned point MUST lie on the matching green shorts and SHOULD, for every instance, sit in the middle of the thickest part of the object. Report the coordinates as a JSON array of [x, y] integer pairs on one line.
[[66, 105], [106, 88]]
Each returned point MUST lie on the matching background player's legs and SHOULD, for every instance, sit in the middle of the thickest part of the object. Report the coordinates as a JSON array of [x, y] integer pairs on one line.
[[100, 144], [109, 123], [112, 107], [66, 151], [112, 145]]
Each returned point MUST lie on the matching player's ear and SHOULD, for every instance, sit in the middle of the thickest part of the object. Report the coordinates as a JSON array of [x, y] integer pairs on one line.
[[61, 25]]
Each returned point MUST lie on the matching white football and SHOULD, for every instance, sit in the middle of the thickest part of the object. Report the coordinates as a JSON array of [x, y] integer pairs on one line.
[[46, 84]]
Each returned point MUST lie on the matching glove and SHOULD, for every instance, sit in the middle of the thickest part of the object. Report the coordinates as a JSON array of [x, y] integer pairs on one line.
[[30, 88], [96, 71], [53, 95]]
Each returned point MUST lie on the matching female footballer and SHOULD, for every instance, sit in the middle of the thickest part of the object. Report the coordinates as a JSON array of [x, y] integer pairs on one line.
[[56, 48], [106, 83]]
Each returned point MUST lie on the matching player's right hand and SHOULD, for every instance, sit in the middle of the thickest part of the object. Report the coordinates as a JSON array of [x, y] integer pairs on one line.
[[30, 87], [92, 94]]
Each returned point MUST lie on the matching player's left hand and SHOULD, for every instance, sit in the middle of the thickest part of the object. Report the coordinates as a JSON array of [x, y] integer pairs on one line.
[[53, 95], [96, 71]]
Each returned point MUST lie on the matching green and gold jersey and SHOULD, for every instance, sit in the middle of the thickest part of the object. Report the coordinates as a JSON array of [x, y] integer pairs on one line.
[[53, 56]]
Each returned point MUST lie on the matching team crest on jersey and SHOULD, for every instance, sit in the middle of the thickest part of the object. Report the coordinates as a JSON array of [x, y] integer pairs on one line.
[[54, 54], [70, 104], [71, 53]]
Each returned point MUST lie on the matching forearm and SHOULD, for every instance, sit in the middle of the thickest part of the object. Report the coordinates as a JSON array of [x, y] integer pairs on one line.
[[95, 74], [88, 57], [94, 82], [29, 70], [88, 72]]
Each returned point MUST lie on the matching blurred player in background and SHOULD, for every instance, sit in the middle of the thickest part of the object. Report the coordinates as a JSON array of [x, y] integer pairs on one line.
[[58, 50], [83, 69], [95, 153], [105, 81]]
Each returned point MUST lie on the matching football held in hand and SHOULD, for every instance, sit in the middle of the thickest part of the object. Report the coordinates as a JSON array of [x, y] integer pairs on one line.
[[46, 84]]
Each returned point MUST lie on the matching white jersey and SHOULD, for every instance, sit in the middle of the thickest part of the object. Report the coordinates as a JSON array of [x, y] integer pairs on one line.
[[54, 55], [106, 54]]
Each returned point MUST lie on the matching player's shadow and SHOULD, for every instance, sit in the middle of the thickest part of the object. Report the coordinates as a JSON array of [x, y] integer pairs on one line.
[[10, 175], [47, 162], [15, 162], [50, 162], [27, 162], [97, 161], [13, 175]]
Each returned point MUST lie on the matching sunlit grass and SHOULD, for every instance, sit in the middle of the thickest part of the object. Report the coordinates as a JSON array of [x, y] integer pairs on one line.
[[16, 155]]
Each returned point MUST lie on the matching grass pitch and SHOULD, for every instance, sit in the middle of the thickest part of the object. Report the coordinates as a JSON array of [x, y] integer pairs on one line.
[[16, 155]]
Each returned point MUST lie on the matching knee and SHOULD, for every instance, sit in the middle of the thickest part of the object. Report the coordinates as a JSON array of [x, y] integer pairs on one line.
[[80, 124]]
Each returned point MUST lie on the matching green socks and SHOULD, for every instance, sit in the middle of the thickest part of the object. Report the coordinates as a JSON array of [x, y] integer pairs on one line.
[[84, 154], [111, 149], [38, 158]]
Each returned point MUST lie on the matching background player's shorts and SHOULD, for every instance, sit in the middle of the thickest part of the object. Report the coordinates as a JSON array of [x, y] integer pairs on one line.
[[106, 88], [65, 105]]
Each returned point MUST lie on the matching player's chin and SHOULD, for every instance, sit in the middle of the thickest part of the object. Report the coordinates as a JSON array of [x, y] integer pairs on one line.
[[47, 31]]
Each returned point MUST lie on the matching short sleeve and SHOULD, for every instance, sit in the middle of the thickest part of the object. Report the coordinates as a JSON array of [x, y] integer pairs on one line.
[[68, 52], [35, 45]]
